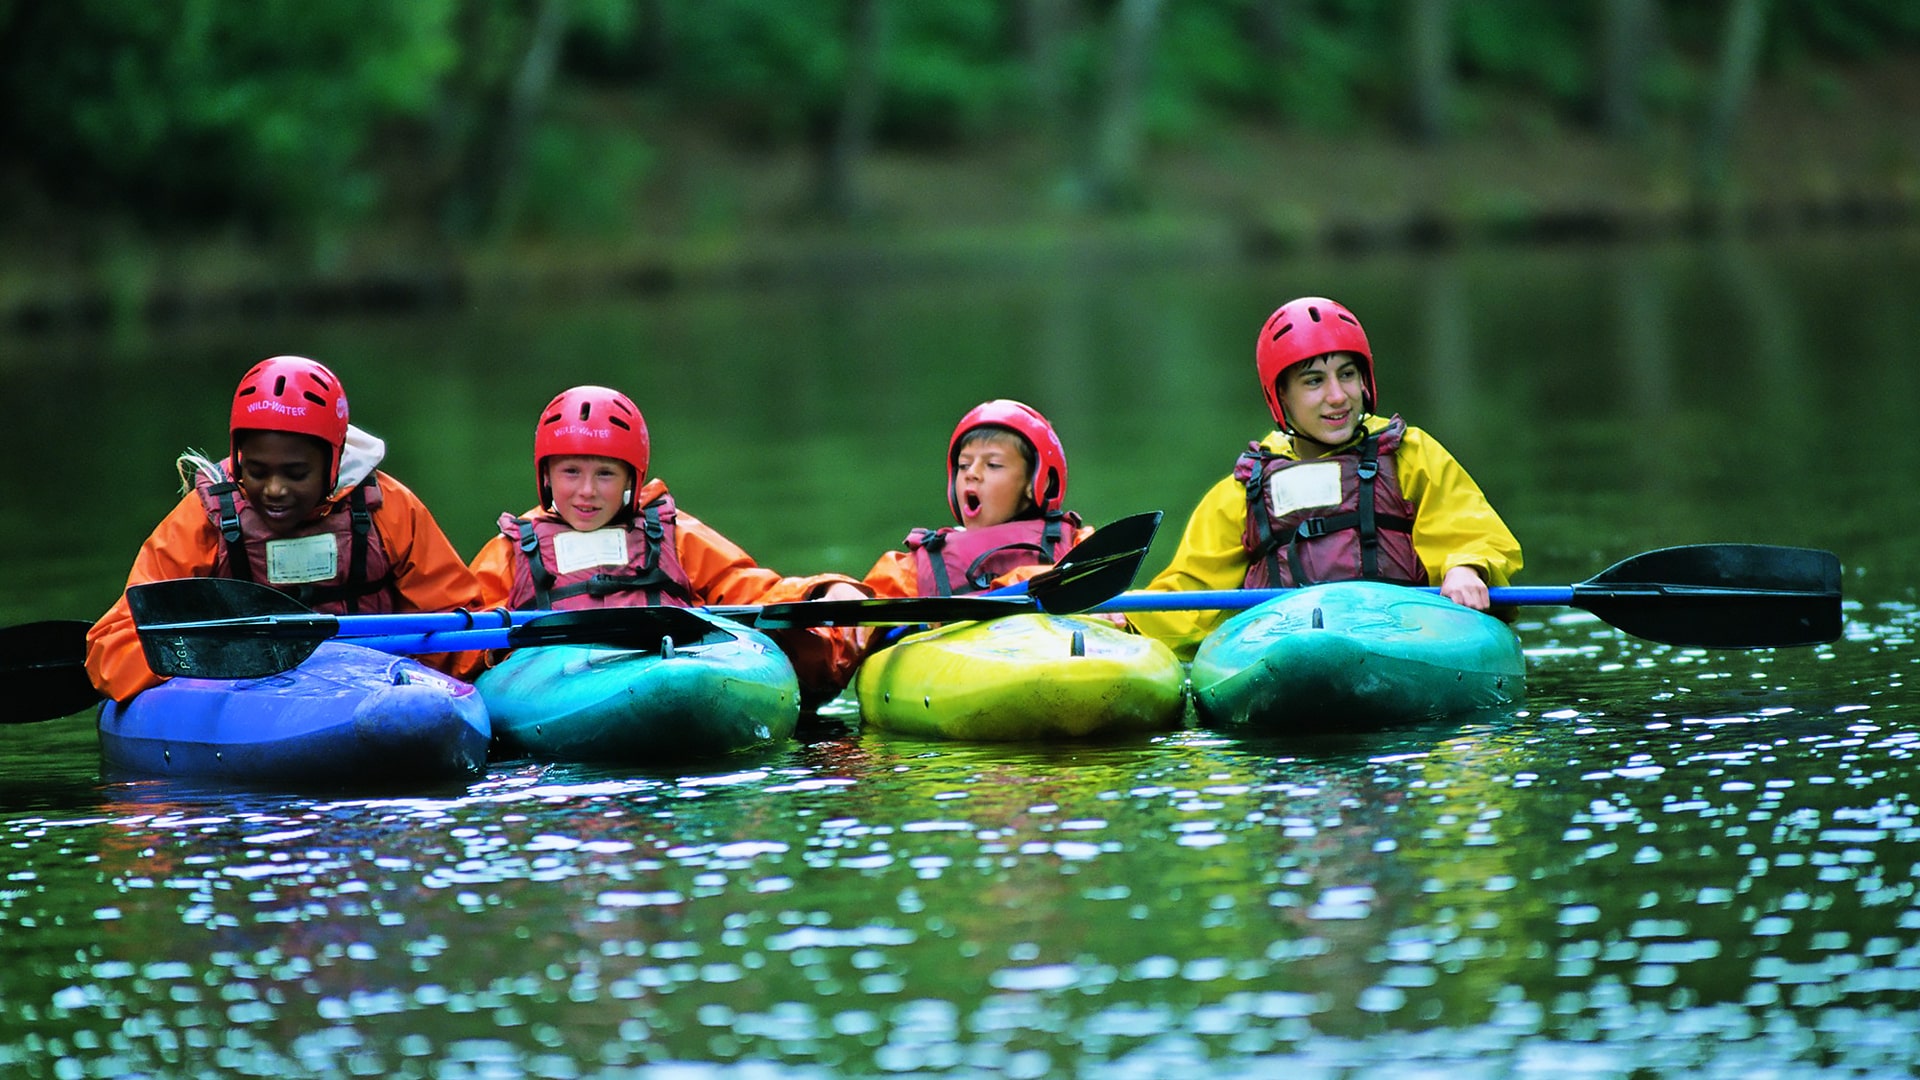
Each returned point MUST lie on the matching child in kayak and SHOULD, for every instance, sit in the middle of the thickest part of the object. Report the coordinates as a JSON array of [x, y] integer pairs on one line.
[[1335, 493], [605, 534], [298, 504], [1007, 488]]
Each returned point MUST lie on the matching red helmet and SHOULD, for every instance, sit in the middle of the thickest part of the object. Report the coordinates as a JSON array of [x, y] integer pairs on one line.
[[595, 421], [295, 395], [1050, 469], [1301, 330]]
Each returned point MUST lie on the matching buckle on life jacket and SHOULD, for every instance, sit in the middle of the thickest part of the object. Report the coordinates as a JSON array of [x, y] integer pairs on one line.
[[1310, 528]]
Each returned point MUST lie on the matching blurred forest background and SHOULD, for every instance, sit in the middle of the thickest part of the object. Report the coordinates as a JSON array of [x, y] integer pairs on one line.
[[172, 157]]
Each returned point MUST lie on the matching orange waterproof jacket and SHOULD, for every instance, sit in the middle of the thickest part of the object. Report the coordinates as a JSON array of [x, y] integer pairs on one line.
[[428, 576], [894, 574], [720, 572]]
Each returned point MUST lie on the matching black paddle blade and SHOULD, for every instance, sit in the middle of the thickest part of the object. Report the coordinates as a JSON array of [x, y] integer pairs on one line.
[[638, 628], [890, 611], [45, 666], [1099, 568], [201, 599], [1721, 596], [223, 628]]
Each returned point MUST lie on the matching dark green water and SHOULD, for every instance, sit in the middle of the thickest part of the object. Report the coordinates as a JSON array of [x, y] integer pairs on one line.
[[1672, 862]]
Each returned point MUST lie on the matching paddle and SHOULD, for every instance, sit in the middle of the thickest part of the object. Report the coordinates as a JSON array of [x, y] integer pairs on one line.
[[1706, 595], [45, 666], [1094, 570], [221, 628], [1719, 596]]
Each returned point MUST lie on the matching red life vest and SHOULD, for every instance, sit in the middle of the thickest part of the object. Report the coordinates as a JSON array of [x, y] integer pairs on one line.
[[972, 558], [650, 575], [1335, 518], [350, 577]]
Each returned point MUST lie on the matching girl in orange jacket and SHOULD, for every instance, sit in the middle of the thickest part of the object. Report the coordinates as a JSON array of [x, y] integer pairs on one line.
[[298, 504], [605, 534], [1007, 488]]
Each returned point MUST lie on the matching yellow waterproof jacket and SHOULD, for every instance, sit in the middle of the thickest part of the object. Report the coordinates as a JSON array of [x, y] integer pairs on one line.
[[1453, 525]]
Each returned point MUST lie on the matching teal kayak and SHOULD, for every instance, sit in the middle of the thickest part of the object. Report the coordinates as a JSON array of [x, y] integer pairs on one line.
[[732, 691], [1354, 655]]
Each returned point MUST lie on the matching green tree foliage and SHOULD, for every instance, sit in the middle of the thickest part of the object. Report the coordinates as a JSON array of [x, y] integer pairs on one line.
[[287, 113], [203, 110]]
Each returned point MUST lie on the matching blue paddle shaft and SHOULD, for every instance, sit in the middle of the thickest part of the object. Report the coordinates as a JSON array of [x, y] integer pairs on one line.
[[433, 622], [417, 632], [1240, 599], [440, 641]]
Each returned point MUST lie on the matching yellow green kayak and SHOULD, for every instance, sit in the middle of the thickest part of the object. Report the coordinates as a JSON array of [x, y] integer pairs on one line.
[[1031, 676]]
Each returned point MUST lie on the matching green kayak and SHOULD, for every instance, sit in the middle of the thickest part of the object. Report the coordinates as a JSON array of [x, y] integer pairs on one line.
[[1024, 677], [1354, 655]]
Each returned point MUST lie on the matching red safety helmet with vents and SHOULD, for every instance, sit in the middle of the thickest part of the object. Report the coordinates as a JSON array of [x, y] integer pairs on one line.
[[295, 395], [594, 421], [1301, 330], [1050, 466]]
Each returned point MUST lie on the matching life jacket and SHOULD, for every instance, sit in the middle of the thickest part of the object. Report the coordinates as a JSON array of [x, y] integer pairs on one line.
[[632, 565], [1335, 518], [954, 561], [350, 575]]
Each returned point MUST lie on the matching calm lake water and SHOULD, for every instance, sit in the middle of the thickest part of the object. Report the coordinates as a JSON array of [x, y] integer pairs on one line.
[[1670, 862]]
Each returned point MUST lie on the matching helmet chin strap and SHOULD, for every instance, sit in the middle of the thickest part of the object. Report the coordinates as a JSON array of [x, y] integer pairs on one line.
[[1359, 426]]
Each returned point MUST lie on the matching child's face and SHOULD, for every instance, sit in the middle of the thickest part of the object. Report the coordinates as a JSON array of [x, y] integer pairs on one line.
[[990, 480], [1324, 397], [588, 491], [284, 476]]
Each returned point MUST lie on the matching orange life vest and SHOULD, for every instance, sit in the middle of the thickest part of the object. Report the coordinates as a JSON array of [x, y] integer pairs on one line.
[[955, 561], [350, 575], [649, 575]]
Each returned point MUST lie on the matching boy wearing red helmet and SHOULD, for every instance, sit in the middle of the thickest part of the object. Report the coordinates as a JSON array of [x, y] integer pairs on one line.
[[297, 504], [1335, 493], [605, 534], [1007, 488]]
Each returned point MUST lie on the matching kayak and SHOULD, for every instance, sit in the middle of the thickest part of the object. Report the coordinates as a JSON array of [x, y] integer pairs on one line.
[[346, 717], [731, 691], [1354, 655], [1030, 676]]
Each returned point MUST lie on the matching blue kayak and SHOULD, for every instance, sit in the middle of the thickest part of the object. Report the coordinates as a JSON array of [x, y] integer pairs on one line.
[[346, 717], [1354, 655], [731, 691]]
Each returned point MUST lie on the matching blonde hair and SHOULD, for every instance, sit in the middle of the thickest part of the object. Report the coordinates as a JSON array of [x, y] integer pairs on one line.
[[191, 463]]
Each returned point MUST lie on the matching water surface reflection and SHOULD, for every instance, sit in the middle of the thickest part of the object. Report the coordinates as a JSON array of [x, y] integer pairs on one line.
[[1710, 872], [1671, 862]]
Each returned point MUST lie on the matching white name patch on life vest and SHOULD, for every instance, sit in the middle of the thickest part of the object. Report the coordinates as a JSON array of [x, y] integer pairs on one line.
[[574, 551], [1307, 486], [303, 559]]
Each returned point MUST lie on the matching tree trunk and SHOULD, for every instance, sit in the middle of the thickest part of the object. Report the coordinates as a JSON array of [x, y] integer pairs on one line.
[[1430, 65], [1113, 178], [1043, 31], [1627, 39], [1746, 27], [1272, 29], [525, 100], [852, 135]]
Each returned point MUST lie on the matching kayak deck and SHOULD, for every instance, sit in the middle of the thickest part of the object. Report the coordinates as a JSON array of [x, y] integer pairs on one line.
[[346, 717], [732, 691], [1030, 676], [1351, 656]]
